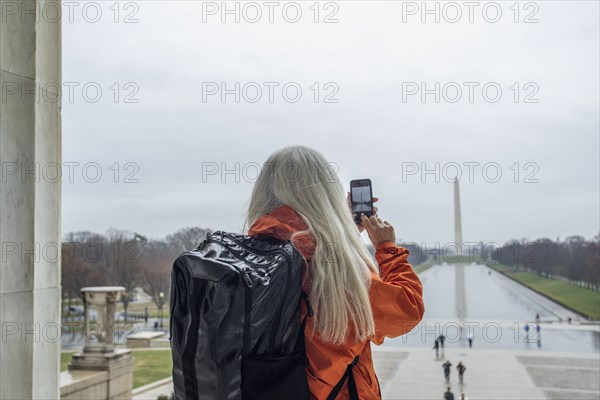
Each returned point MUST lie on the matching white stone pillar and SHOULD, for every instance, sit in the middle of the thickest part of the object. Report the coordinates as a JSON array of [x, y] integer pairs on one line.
[[99, 353], [30, 142], [104, 300]]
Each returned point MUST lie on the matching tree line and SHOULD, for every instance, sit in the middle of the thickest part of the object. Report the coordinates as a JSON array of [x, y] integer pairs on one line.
[[123, 258], [575, 259]]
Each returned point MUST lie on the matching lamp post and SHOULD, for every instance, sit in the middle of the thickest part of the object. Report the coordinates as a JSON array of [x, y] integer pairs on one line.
[[160, 308]]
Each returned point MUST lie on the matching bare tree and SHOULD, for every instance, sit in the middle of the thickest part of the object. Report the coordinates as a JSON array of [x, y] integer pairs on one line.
[[123, 260], [90, 259], [575, 259], [186, 239], [83, 263], [156, 264], [592, 264]]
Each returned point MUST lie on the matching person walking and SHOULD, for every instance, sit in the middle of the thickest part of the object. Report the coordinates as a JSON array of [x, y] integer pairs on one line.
[[461, 370], [470, 339], [448, 395], [436, 346], [357, 298], [446, 367], [441, 338]]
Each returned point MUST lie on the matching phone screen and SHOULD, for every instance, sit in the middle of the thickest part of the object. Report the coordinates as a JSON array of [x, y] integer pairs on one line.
[[361, 197]]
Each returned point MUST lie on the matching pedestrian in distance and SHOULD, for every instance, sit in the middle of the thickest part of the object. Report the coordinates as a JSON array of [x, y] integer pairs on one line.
[[441, 338], [461, 370], [448, 395], [436, 346], [537, 318], [446, 367], [470, 339]]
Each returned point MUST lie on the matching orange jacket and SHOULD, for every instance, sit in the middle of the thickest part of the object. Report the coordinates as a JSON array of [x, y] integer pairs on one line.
[[396, 299]]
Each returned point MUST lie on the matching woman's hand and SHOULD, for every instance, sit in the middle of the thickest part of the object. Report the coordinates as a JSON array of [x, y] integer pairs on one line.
[[379, 230], [361, 228]]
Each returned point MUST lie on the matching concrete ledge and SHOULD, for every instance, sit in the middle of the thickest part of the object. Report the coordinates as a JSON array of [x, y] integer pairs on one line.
[[74, 382], [153, 385], [98, 376], [160, 343], [143, 339]]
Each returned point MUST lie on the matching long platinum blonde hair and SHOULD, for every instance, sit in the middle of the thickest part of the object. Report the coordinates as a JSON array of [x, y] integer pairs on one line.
[[340, 270]]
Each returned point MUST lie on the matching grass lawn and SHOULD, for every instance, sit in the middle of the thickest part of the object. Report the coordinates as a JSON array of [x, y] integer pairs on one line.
[[65, 359], [501, 268], [150, 365], [421, 267], [578, 299], [140, 307]]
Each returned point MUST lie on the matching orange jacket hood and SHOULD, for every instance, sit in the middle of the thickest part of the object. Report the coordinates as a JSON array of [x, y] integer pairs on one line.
[[282, 223]]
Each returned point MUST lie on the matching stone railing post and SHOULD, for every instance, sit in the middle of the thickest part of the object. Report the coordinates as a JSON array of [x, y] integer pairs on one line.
[[104, 300], [100, 354]]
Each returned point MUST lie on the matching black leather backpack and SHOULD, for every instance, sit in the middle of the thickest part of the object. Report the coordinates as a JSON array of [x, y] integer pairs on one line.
[[235, 324]]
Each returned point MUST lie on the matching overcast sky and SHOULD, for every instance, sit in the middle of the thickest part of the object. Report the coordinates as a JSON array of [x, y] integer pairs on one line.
[[372, 61]]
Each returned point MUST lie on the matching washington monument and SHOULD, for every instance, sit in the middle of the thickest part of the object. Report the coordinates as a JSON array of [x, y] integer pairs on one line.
[[459, 271], [458, 239]]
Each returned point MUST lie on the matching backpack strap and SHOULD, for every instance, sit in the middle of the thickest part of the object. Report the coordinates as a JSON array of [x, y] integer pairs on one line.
[[309, 308], [347, 375], [351, 383], [300, 343]]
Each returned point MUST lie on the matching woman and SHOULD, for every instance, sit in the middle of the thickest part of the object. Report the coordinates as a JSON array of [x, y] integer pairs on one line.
[[357, 300]]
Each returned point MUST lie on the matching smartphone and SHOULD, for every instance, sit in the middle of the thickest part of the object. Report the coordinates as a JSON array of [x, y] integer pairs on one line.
[[361, 197]]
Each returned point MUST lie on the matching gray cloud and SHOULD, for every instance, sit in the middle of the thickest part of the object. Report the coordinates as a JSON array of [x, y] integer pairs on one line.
[[370, 132]]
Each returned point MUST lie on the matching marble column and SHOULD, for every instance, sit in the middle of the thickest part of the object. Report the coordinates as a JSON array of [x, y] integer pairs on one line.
[[30, 152]]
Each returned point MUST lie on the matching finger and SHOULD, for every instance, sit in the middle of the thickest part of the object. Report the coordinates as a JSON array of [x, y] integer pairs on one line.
[[373, 220], [375, 199], [366, 222], [386, 223]]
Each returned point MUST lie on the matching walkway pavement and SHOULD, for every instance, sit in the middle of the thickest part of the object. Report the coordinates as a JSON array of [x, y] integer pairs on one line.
[[414, 373], [490, 374]]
